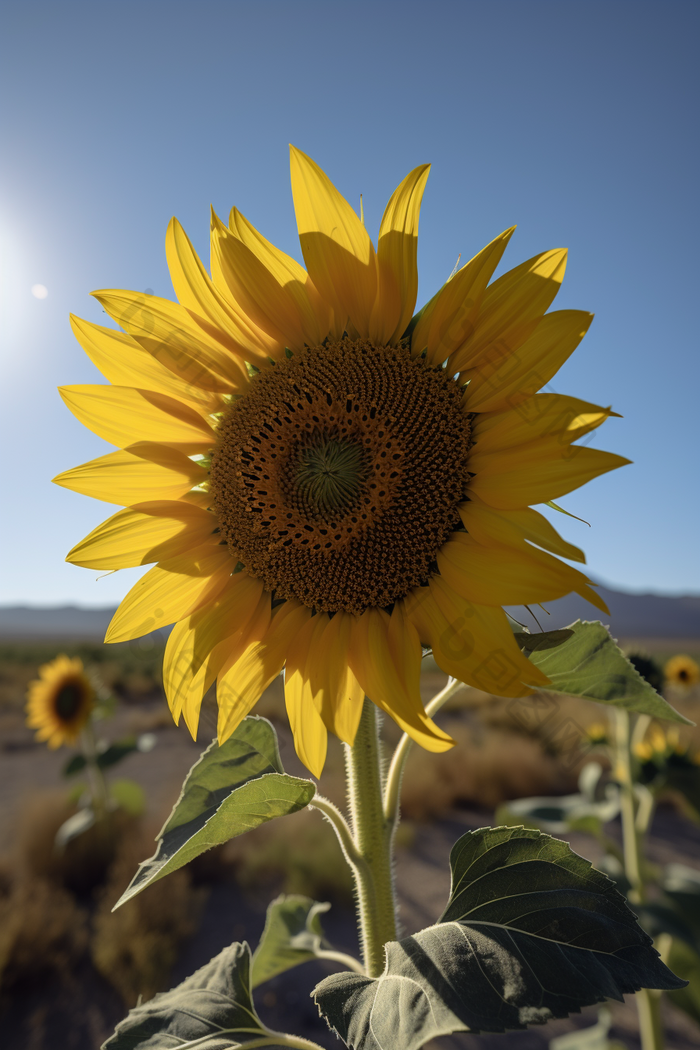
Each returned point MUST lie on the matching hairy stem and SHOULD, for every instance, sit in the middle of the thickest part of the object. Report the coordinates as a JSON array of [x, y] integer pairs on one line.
[[648, 1001], [372, 839]]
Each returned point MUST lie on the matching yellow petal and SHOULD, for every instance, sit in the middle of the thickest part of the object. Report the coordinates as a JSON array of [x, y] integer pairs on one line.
[[506, 377], [208, 306], [167, 331], [148, 532], [541, 471], [470, 642], [266, 299], [341, 707], [124, 362], [310, 734], [145, 472], [512, 528], [242, 682], [451, 316], [387, 684], [194, 654], [316, 316], [508, 575], [338, 252], [511, 309], [124, 416], [216, 634], [397, 258], [171, 591], [558, 416]]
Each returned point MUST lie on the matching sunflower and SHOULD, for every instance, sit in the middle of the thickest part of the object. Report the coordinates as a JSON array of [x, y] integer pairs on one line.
[[682, 672], [327, 484], [59, 702]]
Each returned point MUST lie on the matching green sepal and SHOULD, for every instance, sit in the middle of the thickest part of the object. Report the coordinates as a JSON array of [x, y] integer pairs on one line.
[[293, 934], [531, 932], [212, 1010], [590, 664], [230, 790]]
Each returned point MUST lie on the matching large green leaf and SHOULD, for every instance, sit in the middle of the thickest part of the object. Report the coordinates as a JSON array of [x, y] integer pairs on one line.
[[230, 790], [212, 1010], [531, 932], [293, 934], [589, 663]]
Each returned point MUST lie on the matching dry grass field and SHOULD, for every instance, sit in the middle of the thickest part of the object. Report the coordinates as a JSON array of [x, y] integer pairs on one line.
[[69, 968]]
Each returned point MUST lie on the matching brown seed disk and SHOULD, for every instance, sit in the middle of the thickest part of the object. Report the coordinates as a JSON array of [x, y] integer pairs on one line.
[[402, 442]]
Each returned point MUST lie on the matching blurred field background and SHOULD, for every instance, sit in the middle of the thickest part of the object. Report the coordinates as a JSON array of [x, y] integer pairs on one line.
[[70, 966]]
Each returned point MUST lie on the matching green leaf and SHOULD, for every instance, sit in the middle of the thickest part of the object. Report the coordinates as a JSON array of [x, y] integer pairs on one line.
[[230, 790], [531, 932], [687, 782], [109, 757], [116, 752], [74, 765], [292, 935], [212, 1010], [686, 963], [590, 664], [129, 796]]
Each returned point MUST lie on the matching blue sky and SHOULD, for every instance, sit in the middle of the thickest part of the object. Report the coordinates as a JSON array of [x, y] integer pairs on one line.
[[577, 121]]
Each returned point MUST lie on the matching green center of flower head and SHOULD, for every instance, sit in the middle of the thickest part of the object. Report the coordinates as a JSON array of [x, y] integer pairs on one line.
[[68, 701], [330, 475]]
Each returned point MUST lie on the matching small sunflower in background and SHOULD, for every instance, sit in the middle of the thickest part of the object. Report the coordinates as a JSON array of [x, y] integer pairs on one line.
[[682, 672], [326, 482], [60, 701]]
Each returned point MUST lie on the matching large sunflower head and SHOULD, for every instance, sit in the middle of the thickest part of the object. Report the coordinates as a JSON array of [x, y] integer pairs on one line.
[[326, 483], [682, 672], [59, 702]]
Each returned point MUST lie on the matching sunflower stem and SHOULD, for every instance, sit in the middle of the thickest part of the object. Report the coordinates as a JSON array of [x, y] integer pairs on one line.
[[648, 1001], [372, 838], [98, 784]]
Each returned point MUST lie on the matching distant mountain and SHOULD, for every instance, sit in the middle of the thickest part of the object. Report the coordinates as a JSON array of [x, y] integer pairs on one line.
[[631, 616]]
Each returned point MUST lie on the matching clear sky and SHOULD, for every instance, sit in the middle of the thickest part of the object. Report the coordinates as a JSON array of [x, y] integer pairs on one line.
[[575, 120]]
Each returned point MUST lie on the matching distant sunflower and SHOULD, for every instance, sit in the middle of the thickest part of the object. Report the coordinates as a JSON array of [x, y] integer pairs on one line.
[[682, 672], [59, 702], [325, 482]]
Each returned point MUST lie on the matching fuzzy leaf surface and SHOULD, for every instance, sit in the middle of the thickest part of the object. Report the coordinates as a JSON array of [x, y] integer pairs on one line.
[[293, 934], [230, 790], [531, 932], [212, 1010], [589, 663]]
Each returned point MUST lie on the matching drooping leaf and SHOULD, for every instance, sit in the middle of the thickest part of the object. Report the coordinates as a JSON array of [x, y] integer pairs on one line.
[[76, 825], [230, 790], [212, 1010], [590, 664], [531, 932], [293, 934]]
